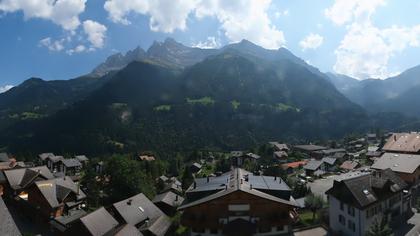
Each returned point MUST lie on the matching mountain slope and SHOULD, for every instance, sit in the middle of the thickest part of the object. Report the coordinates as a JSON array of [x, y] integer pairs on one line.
[[227, 101]]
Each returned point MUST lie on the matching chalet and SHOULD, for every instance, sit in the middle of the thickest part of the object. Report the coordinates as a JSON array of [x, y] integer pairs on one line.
[[170, 184], [314, 167], [168, 202], [7, 224], [70, 167], [63, 225], [55, 197], [292, 166], [11, 164], [238, 158], [195, 167], [140, 212], [341, 156], [82, 159], [279, 146], [280, 156], [330, 164], [355, 203], [403, 143], [43, 157], [309, 150], [54, 163], [238, 203], [406, 166], [371, 138], [97, 223], [18, 181], [349, 165]]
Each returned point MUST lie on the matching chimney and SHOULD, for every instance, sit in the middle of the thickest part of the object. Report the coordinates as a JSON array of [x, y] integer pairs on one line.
[[395, 137], [225, 187], [250, 186], [279, 180], [208, 179], [176, 197], [242, 181], [275, 178], [195, 185], [129, 201]]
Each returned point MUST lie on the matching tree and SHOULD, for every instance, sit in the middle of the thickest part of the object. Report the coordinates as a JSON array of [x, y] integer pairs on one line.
[[187, 178], [127, 178], [314, 203], [379, 228]]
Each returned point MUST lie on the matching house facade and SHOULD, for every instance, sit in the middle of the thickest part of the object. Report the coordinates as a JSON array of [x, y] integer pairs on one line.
[[355, 203], [244, 205]]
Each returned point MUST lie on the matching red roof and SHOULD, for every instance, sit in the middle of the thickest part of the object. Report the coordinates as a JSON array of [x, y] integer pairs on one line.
[[294, 165]]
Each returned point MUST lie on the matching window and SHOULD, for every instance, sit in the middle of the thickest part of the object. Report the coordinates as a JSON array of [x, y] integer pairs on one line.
[[342, 219], [342, 206], [350, 210], [351, 225]]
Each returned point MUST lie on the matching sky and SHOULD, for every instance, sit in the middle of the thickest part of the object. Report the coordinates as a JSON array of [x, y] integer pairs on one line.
[[63, 39]]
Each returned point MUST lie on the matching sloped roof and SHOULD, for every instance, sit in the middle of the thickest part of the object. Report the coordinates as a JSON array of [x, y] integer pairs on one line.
[[403, 142], [7, 224], [280, 154], [279, 146], [349, 165], [310, 147], [137, 209], [81, 158], [403, 163], [72, 162], [312, 165], [169, 198], [295, 164], [367, 189], [20, 178], [128, 230], [56, 190], [44, 156], [329, 160], [235, 183], [99, 222], [158, 226], [253, 156]]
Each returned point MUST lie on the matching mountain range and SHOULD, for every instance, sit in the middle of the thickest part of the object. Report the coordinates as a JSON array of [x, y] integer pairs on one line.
[[173, 97]]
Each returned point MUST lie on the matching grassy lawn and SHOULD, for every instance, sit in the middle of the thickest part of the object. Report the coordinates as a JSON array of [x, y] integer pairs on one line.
[[306, 218], [203, 101]]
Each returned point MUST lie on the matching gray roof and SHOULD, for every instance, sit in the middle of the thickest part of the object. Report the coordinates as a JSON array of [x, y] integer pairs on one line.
[[128, 230], [158, 226], [279, 146], [310, 147], [73, 162], [253, 156], [56, 190], [4, 157], [44, 156], [312, 165], [71, 217], [237, 182], [403, 163], [99, 222], [329, 160], [280, 154], [367, 189], [169, 198], [56, 158], [137, 209], [81, 158], [196, 165], [236, 153], [332, 151], [7, 224], [20, 178]]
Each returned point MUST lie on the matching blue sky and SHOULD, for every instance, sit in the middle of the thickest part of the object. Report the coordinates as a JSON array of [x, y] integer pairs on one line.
[[64, 39]]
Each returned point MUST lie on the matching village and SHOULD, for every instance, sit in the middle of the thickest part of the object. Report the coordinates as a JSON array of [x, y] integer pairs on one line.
[[358, 186]]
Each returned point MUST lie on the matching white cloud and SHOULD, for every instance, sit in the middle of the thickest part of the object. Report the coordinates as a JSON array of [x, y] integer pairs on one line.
[[95, 32], [52, 45], [78, 49], [211, 42], [5, 88], [278, 14], [239, 19], [311, 41], [344, 11], [62, 12], [365, 50]]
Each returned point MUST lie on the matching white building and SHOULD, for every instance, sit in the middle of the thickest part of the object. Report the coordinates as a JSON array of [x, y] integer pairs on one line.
[[355, 203]]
